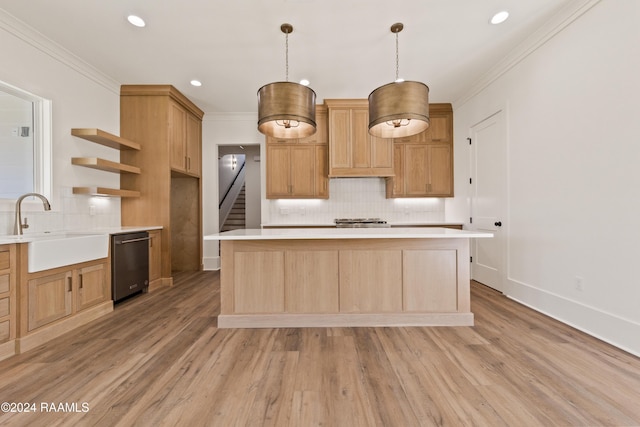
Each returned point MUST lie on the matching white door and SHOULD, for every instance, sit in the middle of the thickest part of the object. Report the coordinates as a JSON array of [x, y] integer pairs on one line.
[[488, 200]]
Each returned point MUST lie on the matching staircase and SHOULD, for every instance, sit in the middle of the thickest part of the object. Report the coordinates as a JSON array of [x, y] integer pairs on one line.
[[236, 218]]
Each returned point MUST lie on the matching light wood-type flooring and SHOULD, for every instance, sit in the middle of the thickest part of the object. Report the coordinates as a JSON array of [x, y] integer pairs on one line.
[[159, 359]]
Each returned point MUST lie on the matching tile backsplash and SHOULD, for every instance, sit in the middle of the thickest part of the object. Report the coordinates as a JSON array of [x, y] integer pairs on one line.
[[76, 212], [354, 198]]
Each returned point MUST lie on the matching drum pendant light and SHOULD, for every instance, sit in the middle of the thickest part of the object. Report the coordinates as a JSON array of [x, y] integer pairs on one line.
[[400, 108], [286, 109]]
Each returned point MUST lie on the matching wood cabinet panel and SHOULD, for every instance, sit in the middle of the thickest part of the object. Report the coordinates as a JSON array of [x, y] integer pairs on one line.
[[259, 289], [5, 331], [278, 170], [155, 256], [4, 282], [177, 130], [50, 299], [352, 151], [340, 130], [440, 129], [93, 287], [370, 281], [321, 172], [430, 281], [4, 307], [193, 145], [311, 281], [302, 168], [416, 159], [440, 166]]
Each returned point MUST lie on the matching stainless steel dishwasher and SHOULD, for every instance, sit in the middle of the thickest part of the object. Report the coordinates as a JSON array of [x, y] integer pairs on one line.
[[129, 264]]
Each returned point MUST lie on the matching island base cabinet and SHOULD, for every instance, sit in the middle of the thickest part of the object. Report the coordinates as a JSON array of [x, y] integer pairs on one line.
[[370, 281], [345, 282]]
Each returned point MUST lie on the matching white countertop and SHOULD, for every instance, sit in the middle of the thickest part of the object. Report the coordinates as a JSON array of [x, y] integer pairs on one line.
[[345, 233], [30, 237], [391, 223]]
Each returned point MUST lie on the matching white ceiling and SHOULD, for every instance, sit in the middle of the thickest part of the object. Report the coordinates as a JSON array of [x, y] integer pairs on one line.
[[344, 47]]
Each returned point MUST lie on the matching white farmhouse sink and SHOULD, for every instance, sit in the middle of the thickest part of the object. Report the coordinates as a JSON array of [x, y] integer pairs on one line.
[[60, 249]]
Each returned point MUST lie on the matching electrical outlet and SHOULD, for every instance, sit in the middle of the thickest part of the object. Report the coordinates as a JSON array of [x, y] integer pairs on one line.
[[579, 283]]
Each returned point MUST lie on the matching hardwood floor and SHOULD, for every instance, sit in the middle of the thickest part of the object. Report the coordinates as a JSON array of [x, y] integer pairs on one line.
[[159, 359]]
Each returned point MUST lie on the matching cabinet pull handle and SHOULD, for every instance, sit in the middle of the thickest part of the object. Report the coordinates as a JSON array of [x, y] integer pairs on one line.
[[69, 284], [80, 280], [188, 163]]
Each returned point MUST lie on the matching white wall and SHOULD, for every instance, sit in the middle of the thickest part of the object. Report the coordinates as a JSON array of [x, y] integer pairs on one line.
[[81, 97], [573, 177]]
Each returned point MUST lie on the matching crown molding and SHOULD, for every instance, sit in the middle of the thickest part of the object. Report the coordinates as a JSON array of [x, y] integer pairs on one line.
[[40, 42], [553, 27]]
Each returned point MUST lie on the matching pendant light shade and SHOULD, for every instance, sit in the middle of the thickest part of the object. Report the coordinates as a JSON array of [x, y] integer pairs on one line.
[[400, 108], [286, 109]]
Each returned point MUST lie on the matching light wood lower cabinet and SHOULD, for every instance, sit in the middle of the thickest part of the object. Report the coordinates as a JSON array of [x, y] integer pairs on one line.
[[155, 258], [7, 300], [54, 296], [49, 299], [52, 302]]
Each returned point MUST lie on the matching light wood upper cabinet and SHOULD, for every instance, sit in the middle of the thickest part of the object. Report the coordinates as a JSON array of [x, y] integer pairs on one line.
[[423, 163], [352, 151], [297, 168], [291, 171], [184, 140]]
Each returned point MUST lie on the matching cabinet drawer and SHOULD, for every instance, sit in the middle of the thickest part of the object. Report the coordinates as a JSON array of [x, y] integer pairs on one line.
[[4, 331], [4, 260], [4, 307], [4, 283]]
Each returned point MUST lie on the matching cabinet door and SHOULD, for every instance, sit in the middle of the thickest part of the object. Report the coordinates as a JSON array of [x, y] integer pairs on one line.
[[395, 185], [155, 255], [339, 138], [321, 171], [177, 131], [302, 182], [416, 170], [49, 299], [440, 170], [360, 139], [439, 130], [193, 144], [92, 286], [381, 152], [278, 173]]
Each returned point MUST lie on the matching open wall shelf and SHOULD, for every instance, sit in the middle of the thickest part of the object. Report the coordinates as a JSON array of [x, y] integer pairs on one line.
[[112, 141]]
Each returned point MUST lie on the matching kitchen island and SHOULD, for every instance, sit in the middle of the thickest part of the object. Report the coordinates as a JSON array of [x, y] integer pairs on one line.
[[333, 277]]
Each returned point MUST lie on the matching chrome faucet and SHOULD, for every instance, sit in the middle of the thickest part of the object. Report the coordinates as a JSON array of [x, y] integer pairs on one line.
[[17, 229]]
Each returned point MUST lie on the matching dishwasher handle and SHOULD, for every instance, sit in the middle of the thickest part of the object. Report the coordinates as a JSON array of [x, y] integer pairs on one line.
[[141, 239]]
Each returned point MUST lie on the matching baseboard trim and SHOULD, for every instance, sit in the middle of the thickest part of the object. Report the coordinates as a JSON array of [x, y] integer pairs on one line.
[[7, 349], [610, 328], [338, 320]]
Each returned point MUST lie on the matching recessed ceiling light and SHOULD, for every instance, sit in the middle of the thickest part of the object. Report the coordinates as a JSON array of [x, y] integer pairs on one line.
[[499, 17], [196, 83], [136, 20], [304, 82]]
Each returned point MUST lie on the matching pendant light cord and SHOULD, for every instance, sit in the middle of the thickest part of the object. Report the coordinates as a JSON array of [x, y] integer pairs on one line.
[[286, 56], [397, 58]]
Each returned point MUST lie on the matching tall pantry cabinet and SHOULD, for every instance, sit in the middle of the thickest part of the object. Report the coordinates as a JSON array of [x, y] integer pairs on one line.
[[168, 127]]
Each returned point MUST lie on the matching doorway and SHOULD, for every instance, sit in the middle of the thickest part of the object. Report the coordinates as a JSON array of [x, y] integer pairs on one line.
[[252, 182], [488, 200]]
